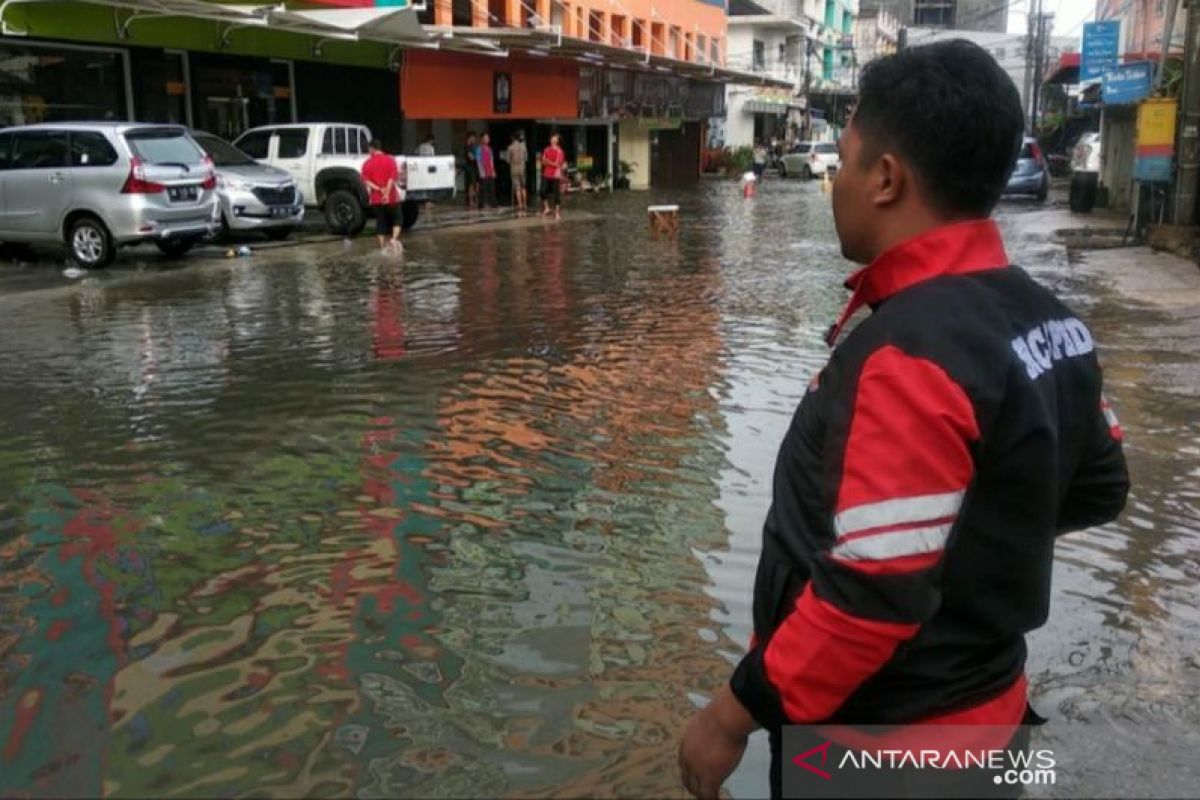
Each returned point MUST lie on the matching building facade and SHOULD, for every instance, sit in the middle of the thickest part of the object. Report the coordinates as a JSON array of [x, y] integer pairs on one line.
[[965, 15], [591, 69], [1143, 24], [1010, 50], [877, 34], [767, 38]]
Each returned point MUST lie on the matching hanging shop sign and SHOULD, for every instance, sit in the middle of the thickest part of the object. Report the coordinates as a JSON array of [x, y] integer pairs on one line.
[[1099, 50], [1154, 153], [1126, 84], [502, 93]]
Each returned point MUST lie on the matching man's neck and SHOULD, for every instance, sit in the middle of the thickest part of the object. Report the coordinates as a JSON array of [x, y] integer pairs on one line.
[[910, 225]]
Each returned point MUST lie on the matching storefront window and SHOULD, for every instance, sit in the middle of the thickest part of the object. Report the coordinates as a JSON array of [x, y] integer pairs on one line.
[[54, 84], [175, 76], [233, 94]]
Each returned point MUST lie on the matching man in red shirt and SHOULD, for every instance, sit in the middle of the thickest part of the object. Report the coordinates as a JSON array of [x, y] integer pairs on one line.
[[382, 177], [554, 161]]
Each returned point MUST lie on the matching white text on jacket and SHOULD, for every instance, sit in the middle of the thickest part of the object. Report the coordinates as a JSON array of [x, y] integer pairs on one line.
[[1052, 341]]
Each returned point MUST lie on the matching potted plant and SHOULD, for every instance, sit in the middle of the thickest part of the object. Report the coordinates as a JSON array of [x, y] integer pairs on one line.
[[624, 170]]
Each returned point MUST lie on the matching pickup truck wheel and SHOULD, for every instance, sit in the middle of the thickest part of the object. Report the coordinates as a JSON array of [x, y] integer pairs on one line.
[[410, 210], [344, 214]]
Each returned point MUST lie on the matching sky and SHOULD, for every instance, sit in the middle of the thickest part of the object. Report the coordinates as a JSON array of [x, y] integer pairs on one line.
[[1069, 15]]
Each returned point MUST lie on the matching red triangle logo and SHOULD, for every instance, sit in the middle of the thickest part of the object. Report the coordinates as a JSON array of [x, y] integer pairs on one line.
[[802, 760]]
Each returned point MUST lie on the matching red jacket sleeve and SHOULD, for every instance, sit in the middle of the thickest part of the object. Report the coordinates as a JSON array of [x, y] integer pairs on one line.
[[903, 434]]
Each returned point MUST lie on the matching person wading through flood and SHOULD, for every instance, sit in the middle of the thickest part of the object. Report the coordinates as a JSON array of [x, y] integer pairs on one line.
[[382, 178], [517, 156], [485, 161], [952, 435], [471, 171], [553, 160]]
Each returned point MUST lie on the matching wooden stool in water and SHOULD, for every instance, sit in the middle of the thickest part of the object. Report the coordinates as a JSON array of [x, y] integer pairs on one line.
[[664, 219]]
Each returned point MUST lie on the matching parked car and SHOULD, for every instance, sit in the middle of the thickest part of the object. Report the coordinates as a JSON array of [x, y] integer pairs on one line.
[[1085, 172], [98, 186], [252, 196], [810, 160], [1030, 175], [325, 160]]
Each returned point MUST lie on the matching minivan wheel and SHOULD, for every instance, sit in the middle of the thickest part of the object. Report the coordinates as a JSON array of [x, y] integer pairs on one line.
[[808, 173], [344, 214], [90, 244], [174, 248]]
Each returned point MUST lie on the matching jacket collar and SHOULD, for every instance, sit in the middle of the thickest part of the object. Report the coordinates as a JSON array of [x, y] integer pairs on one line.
[[954, 249]]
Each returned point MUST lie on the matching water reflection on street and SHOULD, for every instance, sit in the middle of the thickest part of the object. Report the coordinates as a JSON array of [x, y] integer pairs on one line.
[[478, 522]]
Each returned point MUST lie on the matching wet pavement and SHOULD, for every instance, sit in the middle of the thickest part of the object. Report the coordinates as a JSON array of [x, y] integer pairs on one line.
[[483, 521]]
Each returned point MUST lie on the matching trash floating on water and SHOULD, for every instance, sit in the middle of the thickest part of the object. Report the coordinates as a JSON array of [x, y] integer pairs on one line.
[[240, 251], [663, 219], [74, 272]]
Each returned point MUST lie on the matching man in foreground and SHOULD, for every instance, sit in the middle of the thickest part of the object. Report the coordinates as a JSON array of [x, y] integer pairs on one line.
[[952, 435], [382, 179]]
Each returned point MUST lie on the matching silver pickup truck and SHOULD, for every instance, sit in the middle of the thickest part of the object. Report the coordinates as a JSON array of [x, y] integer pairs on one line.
[[326, 159]]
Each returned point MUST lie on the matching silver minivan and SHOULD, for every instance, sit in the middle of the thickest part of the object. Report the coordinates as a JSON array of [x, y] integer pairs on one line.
[[253, 196], [98, 186]]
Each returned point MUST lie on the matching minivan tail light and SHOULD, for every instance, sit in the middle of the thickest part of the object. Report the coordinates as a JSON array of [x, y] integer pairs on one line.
[[1036, 152], [210, 182], [136, 183]]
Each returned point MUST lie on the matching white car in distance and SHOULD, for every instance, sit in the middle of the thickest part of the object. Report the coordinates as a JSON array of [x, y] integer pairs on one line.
[[810, 160]]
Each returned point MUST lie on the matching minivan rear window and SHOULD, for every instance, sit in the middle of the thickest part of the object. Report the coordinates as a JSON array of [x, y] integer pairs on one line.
[[1026, 151], [164, 146]]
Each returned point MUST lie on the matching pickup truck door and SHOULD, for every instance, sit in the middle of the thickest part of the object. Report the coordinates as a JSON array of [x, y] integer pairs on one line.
[[290, 152]]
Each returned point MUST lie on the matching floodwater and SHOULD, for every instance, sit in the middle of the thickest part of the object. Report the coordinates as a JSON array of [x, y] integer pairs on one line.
[[481, 522]]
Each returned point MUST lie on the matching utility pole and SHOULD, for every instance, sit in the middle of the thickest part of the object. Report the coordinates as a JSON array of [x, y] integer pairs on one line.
[[1168, 35], [1038, 66], [807, 88], [1187, 177], [1027, 83]]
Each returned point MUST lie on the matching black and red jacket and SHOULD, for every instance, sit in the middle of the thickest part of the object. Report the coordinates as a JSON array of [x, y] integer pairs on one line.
[[918, 492]]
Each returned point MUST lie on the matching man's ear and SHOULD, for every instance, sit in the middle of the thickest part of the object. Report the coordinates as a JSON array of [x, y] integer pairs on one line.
[[889, 179]]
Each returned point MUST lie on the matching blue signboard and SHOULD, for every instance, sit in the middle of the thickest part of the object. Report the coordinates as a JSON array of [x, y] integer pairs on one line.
[[1101, 41], [1127, 83]]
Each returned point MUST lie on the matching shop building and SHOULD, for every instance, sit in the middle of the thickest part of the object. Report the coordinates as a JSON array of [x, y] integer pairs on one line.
[[621, 80]]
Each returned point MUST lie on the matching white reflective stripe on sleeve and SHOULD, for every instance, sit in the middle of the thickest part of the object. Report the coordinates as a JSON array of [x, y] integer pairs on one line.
[[911, 542], [900, 511], [1109, 416]]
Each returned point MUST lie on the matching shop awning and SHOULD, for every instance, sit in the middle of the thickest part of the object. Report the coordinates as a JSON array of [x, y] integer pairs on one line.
[[1066, 72], [387, 24], [546, 41], [249, 15]]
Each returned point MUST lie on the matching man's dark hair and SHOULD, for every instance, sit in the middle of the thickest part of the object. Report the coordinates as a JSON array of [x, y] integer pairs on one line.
[[952, 113], [376, 144]]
